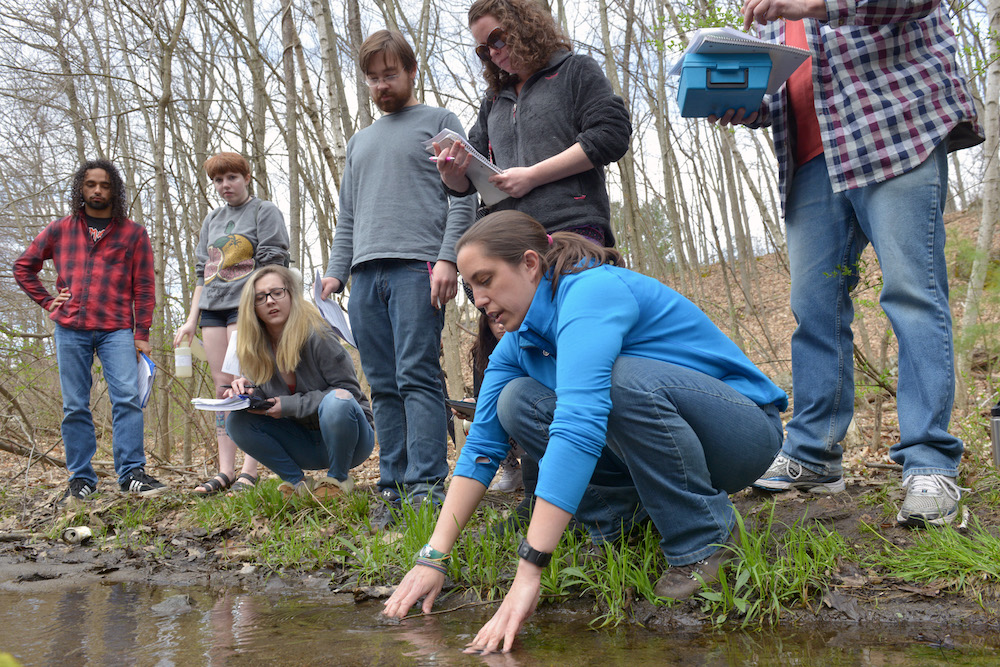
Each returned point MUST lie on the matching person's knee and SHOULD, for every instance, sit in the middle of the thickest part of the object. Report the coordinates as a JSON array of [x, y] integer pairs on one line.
[[235, 425], [336, 405], [514, 398]]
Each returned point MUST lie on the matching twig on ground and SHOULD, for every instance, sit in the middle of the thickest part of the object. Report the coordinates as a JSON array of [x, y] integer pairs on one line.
[[883, 466]]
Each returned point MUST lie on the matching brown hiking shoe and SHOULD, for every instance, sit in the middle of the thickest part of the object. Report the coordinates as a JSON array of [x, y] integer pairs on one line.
[[682, 582], [327, 488]]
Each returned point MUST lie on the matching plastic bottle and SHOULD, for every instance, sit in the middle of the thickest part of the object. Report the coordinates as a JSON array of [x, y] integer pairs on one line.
[[182, 361]]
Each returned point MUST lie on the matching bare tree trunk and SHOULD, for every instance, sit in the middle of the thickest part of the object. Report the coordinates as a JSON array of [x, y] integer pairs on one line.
[[289, 39], [356, 38], [334, 82], [258, 123], [160, 188], [626, 165], [991, 206]]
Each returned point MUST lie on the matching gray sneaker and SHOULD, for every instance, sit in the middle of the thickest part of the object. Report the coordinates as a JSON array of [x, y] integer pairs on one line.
[[930, 499], [785, 474]]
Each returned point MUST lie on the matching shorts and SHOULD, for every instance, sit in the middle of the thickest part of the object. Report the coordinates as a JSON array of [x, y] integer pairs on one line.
[[218, 318]]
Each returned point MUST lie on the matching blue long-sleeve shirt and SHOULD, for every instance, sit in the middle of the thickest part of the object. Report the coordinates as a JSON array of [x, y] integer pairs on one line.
[[569, 343]]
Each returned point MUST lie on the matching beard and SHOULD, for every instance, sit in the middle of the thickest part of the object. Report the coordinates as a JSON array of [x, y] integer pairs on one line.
[[392, 101], [100, 205]]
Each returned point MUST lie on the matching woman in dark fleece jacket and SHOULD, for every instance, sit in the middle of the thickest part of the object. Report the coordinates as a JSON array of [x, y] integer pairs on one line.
[[317, 415], [549, 119]]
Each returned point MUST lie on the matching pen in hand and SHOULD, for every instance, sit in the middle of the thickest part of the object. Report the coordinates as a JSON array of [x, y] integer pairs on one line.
[[435, 158]]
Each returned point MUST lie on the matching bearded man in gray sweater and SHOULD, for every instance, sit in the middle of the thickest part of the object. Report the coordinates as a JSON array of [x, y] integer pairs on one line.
[[396, 239]]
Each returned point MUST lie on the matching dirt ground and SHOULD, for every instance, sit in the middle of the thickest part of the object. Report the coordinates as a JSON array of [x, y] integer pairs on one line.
[[30, 559]]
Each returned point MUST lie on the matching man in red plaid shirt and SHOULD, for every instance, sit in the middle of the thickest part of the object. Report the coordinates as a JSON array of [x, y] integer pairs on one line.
[[104, 305]]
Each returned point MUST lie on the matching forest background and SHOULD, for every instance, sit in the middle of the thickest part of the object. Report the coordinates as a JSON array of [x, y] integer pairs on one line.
[[158, 87]]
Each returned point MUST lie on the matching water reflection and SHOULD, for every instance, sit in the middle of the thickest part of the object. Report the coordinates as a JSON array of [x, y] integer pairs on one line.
[[131, 624]]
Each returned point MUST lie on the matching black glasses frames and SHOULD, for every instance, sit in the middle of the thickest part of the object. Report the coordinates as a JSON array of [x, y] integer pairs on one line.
[[277, 294]]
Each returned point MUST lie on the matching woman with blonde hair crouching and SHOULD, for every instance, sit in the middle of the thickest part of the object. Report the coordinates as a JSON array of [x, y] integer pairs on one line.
[[316, 415]]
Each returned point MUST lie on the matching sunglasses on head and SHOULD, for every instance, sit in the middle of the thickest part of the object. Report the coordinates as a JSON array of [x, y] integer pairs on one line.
[[497, 39]]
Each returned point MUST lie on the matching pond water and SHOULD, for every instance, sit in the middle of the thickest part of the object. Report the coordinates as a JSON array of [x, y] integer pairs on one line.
[[133, 624]]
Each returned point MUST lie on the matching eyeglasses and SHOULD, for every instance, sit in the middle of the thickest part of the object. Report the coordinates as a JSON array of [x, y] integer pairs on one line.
[[374, 81], [277, 294], [496, 40]]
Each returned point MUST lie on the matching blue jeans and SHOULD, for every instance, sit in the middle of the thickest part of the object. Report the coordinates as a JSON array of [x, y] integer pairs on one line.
[[678, 443], [344, 439], [826, 234], [398, 333], [75, 350]]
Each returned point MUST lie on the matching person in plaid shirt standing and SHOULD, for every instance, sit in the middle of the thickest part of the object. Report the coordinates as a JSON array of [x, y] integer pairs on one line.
[[862, 131], [104, 304]]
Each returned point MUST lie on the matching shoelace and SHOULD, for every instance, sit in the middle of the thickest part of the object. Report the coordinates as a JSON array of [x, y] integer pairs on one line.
[[934, 484]]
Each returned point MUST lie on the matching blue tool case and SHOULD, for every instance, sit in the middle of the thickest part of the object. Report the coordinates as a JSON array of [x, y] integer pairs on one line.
[[713, 83]]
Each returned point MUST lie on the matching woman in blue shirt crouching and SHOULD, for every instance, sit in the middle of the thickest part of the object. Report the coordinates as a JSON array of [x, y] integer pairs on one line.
[[597, 356]]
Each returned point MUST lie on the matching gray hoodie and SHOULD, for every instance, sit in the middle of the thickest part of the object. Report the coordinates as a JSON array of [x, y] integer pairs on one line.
[[323, 367]]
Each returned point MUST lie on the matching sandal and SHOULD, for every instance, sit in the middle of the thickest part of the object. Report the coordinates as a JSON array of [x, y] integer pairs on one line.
[[239, 486], [220, 482]]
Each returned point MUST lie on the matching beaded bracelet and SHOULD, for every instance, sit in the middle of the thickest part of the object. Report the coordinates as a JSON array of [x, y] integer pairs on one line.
[[433, 564], [431, 557]]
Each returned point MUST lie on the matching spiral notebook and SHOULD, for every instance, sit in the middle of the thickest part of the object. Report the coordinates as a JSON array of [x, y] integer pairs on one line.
[[480, 168]]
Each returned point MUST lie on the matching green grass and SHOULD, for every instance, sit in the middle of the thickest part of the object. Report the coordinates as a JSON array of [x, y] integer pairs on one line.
[[774, 572], [966, 562]]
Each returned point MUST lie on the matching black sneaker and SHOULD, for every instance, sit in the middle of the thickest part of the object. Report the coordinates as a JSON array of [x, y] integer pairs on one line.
[[387, 512], [138, 482], [79, 489]]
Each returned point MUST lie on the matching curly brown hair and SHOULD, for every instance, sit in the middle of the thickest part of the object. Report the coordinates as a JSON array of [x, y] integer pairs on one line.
[[532, 36], [119, 205]]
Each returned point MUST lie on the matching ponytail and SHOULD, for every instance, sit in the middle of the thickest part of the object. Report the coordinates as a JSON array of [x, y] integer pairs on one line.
[[507, 235]]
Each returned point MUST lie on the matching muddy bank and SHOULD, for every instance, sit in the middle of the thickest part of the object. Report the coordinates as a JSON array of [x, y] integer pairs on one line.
[[169, 548]]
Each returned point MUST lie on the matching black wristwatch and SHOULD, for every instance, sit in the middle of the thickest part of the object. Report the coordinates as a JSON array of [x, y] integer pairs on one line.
[[532, 555]]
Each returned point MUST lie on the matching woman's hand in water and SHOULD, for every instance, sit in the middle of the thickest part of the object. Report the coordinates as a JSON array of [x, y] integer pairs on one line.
[[517, 606], [421, 581]]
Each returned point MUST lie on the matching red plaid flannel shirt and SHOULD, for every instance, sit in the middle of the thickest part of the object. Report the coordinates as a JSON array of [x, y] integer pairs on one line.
[[107, 280]]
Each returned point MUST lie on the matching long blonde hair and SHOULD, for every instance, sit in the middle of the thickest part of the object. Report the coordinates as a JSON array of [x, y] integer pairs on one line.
[[253, 344]]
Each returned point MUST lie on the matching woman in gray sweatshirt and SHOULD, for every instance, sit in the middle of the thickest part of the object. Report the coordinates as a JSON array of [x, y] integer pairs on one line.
[[316, 415], [549, 119], [235, 239]]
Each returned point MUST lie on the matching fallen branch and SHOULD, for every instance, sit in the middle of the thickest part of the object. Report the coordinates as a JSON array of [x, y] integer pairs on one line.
[[20, 450], [883, 466]]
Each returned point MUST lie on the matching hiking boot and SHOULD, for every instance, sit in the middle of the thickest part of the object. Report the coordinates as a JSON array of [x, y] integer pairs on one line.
[[930, 499], [139, 483], [329, 488], [387, 511], [785, 474], [684, 581], [302, 488], [78, 490]]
